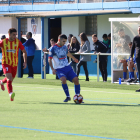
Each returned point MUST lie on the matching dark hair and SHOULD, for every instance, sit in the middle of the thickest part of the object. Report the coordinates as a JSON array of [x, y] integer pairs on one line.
[[62, 36], [104, 36], [3, 37], [94, 35], [29, 33], [121, 30], [11, 30], [109, 35], [71, 35], [83, 37], [52, 39], [130, 43]]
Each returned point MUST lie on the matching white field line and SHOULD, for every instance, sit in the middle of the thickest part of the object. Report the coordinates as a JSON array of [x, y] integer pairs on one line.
[[82, 90]]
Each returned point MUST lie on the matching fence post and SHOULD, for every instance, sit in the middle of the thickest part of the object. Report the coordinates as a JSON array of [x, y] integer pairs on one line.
[[97, 68], [19, 53], [9, 2], [32, 2], [42, 46]]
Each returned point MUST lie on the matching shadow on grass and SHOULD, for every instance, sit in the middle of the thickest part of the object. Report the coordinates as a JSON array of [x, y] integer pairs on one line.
[[83, 104]]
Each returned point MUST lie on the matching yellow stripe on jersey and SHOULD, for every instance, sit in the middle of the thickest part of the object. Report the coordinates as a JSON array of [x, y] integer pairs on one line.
[[9, 54], [17, 46], [13, 47], [5, 52]]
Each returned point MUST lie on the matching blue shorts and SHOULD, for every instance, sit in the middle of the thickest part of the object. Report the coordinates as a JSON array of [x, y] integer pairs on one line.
[[67, 72]]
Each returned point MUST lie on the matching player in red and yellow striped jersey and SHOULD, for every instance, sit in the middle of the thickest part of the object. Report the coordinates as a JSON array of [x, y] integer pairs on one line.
[[10, 47]]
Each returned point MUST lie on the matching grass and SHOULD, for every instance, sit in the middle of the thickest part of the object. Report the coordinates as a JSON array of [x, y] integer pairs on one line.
[[110, 111]]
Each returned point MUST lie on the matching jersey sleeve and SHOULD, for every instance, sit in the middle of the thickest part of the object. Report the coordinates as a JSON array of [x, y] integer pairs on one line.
[[21, 46], [1, 44], [51, 52]]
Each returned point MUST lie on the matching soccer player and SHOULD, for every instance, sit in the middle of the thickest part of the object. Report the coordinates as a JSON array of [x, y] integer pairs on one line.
[[10, 47], [58, 53]]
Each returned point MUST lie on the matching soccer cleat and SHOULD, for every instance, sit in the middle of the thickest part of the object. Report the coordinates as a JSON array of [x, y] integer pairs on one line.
[[2, 86], [67, 99], [130, 80], [138, 90], [12, 96], [136, 81]]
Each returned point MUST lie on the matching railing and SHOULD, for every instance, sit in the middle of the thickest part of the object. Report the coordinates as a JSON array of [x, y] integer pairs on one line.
[[57, 1], [97, 54]]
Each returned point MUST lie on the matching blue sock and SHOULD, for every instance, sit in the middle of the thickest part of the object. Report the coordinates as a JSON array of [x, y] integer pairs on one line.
[[77, 89], [132, 75], [137, 75], [124, 75], [66, 90]]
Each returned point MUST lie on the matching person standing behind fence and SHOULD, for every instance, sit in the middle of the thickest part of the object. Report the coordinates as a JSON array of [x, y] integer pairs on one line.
[[30, 49], [74, 48], [85, 48], [100, 47], [22, 61]]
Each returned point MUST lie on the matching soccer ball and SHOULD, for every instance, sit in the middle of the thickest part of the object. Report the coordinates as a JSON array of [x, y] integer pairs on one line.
[[78, 99]]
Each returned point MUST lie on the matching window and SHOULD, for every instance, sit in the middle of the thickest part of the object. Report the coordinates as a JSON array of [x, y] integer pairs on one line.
[[91, 25], [24, 25]]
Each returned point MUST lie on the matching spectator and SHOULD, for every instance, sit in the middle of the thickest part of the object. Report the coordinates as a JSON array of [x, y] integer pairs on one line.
[[69, 40], [2, 37], [74, 48], [30, 49], [100, 47], [105, 40], [109, 43], [85, 48], [22, 61], [125, 64], [123, 42]]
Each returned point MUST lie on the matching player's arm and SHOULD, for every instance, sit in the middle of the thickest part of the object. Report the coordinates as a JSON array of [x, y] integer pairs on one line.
[[71, 56], [132, 50], [51, 65], [24, 58]]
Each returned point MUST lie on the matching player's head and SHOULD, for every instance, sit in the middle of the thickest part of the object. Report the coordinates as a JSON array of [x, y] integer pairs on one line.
[[28, 35], [121, 32], [62, 39], [3, 37], [104, 37], [12, 34], [69, 37], [139, 30], [94, 38], [52, 42], [109, 36], [130, 45]]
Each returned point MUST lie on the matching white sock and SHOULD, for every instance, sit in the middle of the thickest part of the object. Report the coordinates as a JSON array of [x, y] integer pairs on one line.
[[1, 82], [10, 94]]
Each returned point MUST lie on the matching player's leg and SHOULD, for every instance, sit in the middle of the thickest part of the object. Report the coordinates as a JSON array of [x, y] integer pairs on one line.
[[2, 82], [131, 72], [137, 74], [124, 62], [65, 88], [104, 68]]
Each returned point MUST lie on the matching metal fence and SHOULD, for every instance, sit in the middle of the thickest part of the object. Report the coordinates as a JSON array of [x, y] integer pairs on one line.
[[46, 1]]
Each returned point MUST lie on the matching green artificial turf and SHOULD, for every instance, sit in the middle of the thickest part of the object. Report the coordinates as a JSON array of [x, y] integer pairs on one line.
[[110, 111]]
